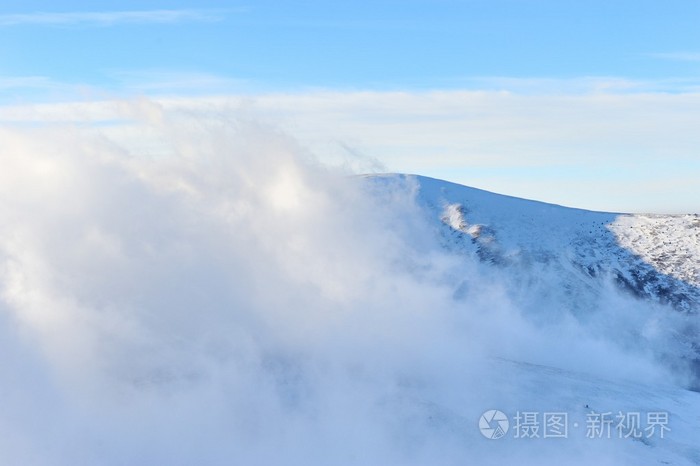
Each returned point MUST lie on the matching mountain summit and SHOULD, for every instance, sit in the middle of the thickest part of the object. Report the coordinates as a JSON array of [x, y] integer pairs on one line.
[[653, 257], [573, 260]]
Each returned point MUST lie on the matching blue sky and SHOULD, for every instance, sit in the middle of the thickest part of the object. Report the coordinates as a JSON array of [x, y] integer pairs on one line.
[[292, 45], [593, 104]]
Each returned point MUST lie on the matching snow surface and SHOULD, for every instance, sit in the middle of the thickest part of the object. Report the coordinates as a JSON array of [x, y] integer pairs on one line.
[[656, 257], [573, 260]]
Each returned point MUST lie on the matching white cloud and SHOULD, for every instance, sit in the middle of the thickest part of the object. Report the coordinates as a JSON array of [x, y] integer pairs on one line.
[[173, 82], [677, 56], [577, 85], [10, 82], [573, 148], [108, 18]]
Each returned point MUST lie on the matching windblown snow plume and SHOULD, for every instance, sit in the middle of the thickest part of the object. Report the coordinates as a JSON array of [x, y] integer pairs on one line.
[[183, 292]]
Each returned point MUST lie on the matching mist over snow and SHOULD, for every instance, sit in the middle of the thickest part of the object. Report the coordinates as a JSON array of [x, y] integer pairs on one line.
[[177, 291]]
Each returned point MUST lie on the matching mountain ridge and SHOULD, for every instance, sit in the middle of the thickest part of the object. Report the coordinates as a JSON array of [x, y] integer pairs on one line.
[[503, 229], [576, 261]]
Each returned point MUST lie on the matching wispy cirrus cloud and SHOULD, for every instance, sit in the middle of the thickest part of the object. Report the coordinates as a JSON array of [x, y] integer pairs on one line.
[[109, 18], [26, 82], [577, 85], [155, 81], [677, 56]]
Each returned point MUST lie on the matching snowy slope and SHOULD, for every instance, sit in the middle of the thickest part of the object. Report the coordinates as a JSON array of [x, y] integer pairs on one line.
[[545, 389], [654, 257], [571, 257], [633, 279]]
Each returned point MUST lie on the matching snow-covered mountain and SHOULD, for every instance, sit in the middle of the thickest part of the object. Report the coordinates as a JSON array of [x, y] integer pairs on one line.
[[631, 278], [570, 257], [653, 257]]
